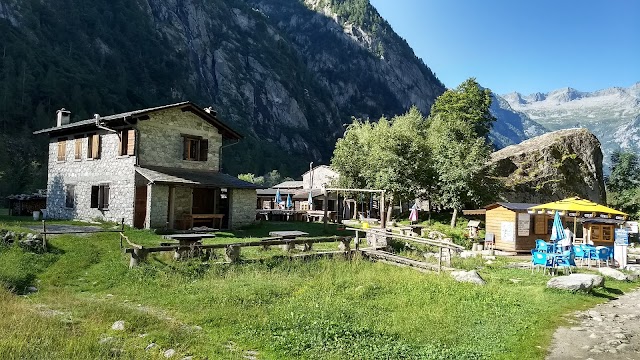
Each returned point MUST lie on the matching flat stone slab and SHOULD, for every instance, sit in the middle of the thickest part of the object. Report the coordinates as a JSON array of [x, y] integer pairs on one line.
[[468, 276]]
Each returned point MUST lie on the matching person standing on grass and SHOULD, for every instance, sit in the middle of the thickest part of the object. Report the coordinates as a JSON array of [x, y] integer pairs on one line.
[[567, 242]]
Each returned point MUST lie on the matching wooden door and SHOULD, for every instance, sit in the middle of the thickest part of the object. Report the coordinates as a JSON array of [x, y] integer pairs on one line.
[[140, 208]]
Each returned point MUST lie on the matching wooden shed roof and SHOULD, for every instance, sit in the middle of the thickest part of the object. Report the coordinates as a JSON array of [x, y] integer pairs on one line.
[[511, 206], [208, 178]]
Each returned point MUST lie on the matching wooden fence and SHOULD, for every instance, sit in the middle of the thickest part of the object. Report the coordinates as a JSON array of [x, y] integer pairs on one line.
[[377, 239], [232, 251]]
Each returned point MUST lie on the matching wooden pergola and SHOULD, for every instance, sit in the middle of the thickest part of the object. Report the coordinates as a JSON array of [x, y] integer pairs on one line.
[[325, 202]]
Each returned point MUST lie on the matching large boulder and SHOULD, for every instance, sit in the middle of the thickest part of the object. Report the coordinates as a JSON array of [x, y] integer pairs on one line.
[[552, 166], [596, 280], [468, 276], [576, 282], [613, 273]]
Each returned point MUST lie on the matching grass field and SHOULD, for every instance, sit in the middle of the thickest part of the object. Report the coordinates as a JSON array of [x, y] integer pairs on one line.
[[280, 309]]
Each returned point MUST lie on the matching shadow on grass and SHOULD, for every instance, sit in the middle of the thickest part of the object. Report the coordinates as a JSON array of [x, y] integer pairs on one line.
[[607, 293]]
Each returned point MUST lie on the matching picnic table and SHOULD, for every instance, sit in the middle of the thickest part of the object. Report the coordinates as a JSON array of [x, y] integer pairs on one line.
[[189, 239]]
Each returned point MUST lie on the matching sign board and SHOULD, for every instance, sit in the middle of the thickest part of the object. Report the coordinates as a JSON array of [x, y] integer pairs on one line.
[[507, 231], [473, 223], [622, 237], [524, 224]]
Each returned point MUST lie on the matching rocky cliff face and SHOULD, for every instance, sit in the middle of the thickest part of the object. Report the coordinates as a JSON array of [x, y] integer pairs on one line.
[[286, 73], [552, 166], [291, 73]]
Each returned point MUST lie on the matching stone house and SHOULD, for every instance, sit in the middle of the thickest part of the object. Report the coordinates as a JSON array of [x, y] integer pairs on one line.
[[154, 168], [319, 176]]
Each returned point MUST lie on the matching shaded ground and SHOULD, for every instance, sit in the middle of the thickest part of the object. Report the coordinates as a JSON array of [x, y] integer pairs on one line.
[[609, 331]]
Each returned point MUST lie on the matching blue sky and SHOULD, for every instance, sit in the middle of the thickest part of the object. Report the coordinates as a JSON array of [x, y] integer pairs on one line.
[[524, 46]]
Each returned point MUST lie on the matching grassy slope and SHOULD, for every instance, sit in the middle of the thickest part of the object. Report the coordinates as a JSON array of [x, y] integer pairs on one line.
[[328, 309]]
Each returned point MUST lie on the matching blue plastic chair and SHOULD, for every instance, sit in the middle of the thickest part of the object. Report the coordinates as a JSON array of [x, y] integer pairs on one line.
[[602, 253], [590, 252], [580, 253], [542, 245], [566, 261], [539, 258]]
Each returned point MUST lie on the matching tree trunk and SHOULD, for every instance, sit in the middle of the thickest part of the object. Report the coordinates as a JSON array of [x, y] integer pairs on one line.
[[390, 209], [454, 217]]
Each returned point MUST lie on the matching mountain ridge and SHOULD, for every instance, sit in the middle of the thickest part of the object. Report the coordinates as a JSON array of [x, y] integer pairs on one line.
[[611, 113]]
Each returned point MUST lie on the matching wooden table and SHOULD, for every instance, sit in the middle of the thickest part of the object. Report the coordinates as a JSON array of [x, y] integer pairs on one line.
[[292, 234]]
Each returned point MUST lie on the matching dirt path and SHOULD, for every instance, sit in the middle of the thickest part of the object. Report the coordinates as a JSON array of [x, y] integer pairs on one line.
[[609, 331]]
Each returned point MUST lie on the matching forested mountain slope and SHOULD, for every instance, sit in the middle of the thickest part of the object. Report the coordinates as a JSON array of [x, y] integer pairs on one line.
[[287, 74]]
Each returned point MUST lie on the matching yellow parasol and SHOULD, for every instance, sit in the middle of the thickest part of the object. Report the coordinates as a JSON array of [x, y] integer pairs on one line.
[[575, 207]]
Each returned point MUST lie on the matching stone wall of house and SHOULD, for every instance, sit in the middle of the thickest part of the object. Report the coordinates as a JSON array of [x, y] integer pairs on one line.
[[243, 207], [183, 201], [157, 206], [160, 142], [112, 169], [318, 176]]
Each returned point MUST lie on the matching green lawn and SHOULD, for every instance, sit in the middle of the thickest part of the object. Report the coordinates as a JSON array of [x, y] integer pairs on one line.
[[320, 309]]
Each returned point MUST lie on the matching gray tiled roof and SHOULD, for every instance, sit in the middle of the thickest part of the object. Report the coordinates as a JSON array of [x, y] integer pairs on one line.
[[105, 119], [165, 175], [294, 184]]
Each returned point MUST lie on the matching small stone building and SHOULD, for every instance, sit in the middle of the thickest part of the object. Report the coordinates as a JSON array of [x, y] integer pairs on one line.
[[154, 168], [319, 176]]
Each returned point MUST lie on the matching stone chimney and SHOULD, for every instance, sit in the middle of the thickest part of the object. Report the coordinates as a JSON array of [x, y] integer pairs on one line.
[[63, 116], [210, 110]]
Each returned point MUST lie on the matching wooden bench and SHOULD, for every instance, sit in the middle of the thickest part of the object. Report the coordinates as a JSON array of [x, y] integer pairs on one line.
[[191, 218]]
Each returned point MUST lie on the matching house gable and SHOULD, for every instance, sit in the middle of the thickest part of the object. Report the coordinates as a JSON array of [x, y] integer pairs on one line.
[[162, 140]]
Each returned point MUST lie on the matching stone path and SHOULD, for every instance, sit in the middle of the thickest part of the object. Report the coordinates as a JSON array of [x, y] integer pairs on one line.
[[65, 228], [609, 331]]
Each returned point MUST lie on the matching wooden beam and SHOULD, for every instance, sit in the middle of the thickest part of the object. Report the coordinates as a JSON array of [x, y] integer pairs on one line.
[[356, 190]]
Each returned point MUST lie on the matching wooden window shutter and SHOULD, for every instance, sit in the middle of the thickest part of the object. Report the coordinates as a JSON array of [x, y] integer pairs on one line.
[[95, 190], [95, 146], [204, 150], [62, 149], [104, 198], [185, 148], [122, 142], [78, 148], [131, 142]]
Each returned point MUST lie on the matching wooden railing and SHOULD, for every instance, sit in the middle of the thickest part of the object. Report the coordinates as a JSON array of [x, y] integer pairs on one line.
[[232, 251], [441, 244]]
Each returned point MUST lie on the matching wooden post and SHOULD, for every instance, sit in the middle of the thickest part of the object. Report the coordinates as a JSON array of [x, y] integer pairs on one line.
[[136, 256], [325, 205], [381, 207], [440, 261], [287, 247], [122, 225], [44, 235], [232, 253], [345, 245], [356, 241], [308, 246]]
